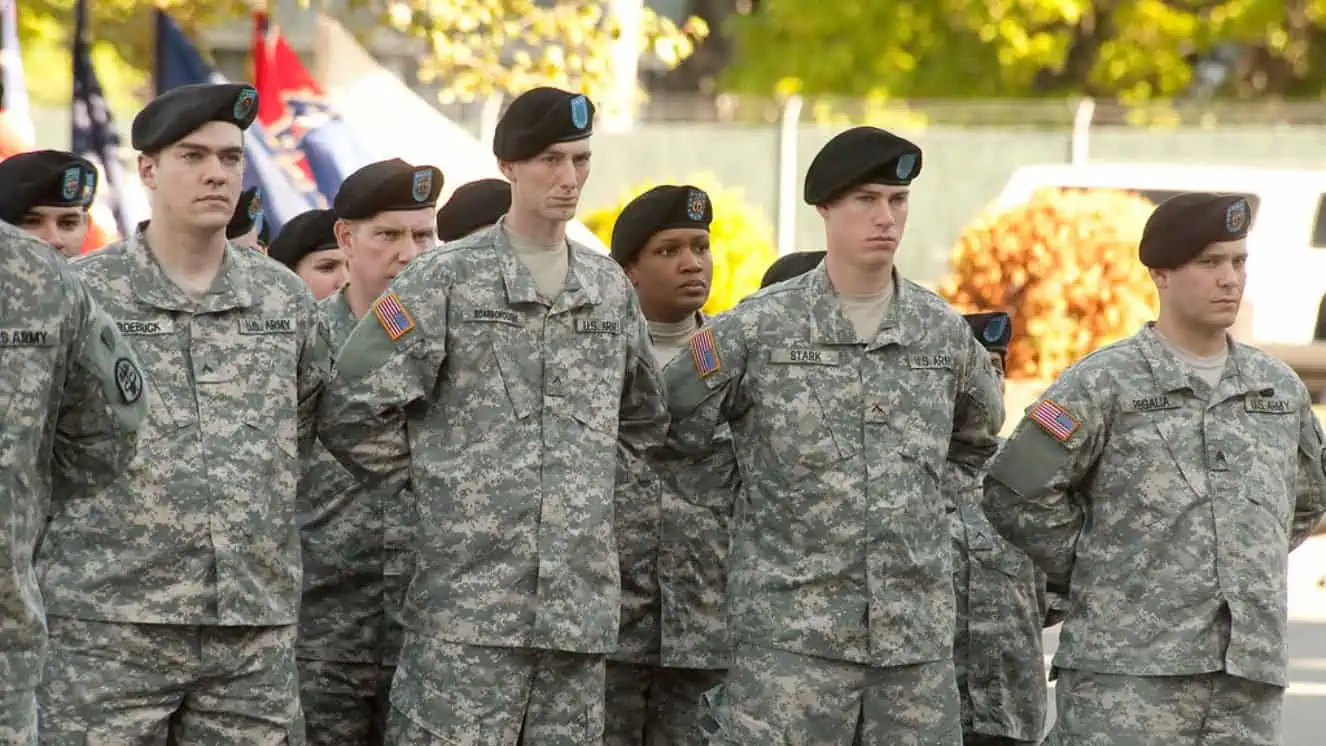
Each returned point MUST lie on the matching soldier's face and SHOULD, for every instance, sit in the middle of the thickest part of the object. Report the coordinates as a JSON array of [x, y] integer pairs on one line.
[[997, 362], [61, 227], [196, 182], [548, 185], [865, 225], [378, 248], [672, 274], [1206, 292], [325, 272]]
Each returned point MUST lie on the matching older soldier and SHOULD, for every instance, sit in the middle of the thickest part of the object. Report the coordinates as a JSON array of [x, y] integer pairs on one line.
[[247, 227], [473, 207], [357, 558], [791, 265], [1199, 463], [306, 245], [174, 593], [47, 193], [673, 645], [506, 363], [72, 398], [846, 388], [1001, 604]]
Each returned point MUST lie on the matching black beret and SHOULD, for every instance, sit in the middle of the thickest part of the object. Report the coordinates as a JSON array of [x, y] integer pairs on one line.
[[1184, 225], [387, 186], [177, 113], [861, 155], [248, 213], [791, 265], [44, 178], [539, 118], [657, 210], [302, 235], [993, 329], [472, 206]]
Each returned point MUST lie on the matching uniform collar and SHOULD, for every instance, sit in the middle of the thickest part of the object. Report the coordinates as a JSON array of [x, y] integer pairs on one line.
[[230, 290], [580, 290]]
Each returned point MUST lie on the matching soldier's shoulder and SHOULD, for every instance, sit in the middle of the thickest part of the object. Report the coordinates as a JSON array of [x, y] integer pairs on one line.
[[267, 272], [1264, 368], [1103, 373], [937, 315], [108, 258], [33, 267]]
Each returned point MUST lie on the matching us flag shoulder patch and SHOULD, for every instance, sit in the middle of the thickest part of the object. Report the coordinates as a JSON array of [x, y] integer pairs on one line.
[[393, 316], [704, 353], [1055, 420]]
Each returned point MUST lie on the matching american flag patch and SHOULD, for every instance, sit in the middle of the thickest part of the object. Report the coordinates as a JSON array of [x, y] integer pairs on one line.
[[1056, 420], [704, 353], [392, 316]]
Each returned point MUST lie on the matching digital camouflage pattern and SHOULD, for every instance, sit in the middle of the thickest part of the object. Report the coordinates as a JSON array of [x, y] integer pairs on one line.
[[998, 652], [515, 411], [356, 570], [69, 418], [1225, 711], [841, 546], [205, 685], [774, 696], [201, 528], [842, 549], [648, 705], [1182, 568], [511, 696]]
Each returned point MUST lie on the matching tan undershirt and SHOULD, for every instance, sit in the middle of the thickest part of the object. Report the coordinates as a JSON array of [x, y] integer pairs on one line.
[[1209, 368], [669, 339], [866, 312], [548, 263]]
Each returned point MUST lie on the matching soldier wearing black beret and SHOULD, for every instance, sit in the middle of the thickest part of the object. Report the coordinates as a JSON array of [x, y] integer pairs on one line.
[[307, 245], [47, 193], [791, 265], [247, 226], [472, 207], [540, 118], [236, 355], [661, 239], [1183, 226], [994, 330]]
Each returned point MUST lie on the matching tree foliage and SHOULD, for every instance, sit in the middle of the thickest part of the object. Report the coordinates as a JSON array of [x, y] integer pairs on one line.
[[741, 240], [1130, 49], [507, 46]]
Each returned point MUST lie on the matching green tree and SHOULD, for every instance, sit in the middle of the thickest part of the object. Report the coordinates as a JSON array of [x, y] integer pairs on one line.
[[1134, 50], [485, 46]]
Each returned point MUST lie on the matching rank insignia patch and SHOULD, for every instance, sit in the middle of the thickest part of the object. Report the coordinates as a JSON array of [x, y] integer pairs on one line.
[[1055, 420], [392, 316], [705, 353]]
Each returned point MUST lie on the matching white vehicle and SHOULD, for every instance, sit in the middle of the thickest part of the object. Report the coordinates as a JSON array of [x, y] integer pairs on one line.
[[1286, 247]]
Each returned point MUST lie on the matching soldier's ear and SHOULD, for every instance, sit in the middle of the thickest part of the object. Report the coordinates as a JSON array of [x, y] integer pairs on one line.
[[147, 170]]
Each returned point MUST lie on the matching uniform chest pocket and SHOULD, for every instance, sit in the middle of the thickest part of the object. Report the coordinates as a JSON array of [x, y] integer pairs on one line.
[[161, 345], [586, 371], [806, 412], [917, 403], [489, 364]]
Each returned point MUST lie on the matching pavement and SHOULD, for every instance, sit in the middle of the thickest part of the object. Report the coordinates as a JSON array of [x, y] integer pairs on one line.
[[1305, 702]]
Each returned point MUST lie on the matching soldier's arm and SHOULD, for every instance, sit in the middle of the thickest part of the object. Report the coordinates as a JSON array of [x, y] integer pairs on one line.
[[703, 385], [1310, 492], [313, 374], [387, 368], [643, 414], [104, 403], [1029, 492], [978, 412]]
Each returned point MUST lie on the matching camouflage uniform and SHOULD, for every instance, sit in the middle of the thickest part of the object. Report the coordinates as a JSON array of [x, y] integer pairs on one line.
[[674, 643], [356, 569], [513, 405], [1177, 614], [841, 577], [174, 593], [997, 651], [70, 407]]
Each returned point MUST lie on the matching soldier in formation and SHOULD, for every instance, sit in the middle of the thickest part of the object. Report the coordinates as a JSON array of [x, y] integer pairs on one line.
[[71, 395], [247, 227], [473, 207], [846, 389], [306, 245], [357, 541], [673, 518], [173, 593], [1199, 462], [496, 376], [48, 193]]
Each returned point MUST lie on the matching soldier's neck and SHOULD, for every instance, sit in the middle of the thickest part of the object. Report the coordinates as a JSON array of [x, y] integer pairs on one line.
[[191, 259], [535, 229], [1202, 342], [848, 279]]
